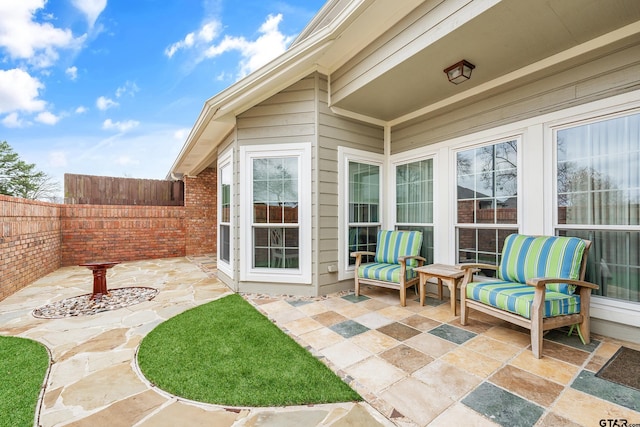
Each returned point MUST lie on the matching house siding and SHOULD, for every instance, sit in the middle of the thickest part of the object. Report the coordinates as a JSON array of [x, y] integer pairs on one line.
[[598, 79], [287, 117], [335, 131]]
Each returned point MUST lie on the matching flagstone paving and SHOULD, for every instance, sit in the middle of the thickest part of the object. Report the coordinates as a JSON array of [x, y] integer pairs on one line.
[[414, 365]]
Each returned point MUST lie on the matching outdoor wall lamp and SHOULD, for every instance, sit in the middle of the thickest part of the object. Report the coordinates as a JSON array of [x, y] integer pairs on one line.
[[459, 72]]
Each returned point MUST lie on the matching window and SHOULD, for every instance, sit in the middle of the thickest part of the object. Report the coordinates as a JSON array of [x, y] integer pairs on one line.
[[277, 213], [360, 189], [414, 202], [364, 207], [225, 240], [487, 200], [598, 198]]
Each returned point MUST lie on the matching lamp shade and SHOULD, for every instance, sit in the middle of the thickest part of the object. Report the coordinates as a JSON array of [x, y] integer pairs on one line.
[[459, 72]]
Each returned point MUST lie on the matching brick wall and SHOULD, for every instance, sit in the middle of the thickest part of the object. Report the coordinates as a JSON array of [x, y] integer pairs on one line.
[[30, 239], [36, 238], [201, 224], [121, 233]]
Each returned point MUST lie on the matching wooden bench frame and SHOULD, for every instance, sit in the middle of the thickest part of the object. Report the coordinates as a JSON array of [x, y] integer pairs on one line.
[[402, 286], [538, 324]]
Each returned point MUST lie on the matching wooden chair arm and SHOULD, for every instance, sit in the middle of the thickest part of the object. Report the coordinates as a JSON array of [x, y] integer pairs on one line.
[[477, 266], [360, 253], [404, 259], [358, 256], [540, 282]]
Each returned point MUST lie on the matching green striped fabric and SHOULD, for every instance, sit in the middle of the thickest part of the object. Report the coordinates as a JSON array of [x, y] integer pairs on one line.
[[393, 244], [518, 298], [384, 272], [528, 257]]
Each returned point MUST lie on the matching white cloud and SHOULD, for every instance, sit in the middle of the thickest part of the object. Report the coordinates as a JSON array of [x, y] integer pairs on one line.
[[91, 9], [38, 43], [19, 91], [47, 118], [13, 121], [256, 53], [103, 103], [57, 159], [181, 134], [129, 88], [206, 34], [81, 109], [119, 126], [72, 72]]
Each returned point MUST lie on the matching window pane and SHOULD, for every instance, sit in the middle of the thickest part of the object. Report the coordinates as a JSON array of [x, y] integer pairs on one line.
[[483, 245], [613, 262], [225, 192], [427, 241], [225, 243], [598, 183], [598, 172], [276, 247], [362, 239], [487, 184], [276, 200], [364, 192], [414, 192]]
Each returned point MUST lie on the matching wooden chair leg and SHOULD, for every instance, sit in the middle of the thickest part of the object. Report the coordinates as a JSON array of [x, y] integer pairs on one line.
[[403, 295], [537, 316], [357, 285]]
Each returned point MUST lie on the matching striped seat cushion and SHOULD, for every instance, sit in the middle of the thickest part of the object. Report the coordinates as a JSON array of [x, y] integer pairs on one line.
[[517, 298], [393, 244], [528, 257], [384, 272]]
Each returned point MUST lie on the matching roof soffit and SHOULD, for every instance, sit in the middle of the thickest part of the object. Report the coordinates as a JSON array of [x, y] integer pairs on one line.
[[401, 72]]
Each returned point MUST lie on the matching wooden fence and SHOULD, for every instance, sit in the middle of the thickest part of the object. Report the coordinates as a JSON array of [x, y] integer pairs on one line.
[[103, 190]]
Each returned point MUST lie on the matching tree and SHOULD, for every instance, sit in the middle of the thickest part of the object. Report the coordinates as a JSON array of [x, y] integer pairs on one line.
[[21, 179]]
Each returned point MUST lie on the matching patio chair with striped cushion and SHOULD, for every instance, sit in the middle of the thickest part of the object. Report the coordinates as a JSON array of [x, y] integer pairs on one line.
[[395, 259], [535, 287]]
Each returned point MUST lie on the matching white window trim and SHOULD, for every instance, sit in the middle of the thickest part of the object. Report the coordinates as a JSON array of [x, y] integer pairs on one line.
[[301, 275], [226, 160], [346, 155]]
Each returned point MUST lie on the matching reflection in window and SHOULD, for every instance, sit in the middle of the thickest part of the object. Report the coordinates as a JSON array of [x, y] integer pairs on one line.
[[364, 207], [598, 198], [414, 202], [275, 201], [487, 200]]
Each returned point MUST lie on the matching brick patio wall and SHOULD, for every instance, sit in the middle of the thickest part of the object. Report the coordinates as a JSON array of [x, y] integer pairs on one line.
[[37, 238], [30, 241], [200, 199], [121, 233]]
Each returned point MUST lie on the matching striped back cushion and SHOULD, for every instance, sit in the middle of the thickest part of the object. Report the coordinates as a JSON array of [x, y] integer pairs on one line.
[[527, 257], [394, 244]]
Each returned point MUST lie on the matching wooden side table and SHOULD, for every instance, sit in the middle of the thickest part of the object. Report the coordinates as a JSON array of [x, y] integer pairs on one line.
[[444, 273]]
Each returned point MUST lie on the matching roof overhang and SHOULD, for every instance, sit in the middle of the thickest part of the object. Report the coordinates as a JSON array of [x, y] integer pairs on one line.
[[385, 58], [339, 30]]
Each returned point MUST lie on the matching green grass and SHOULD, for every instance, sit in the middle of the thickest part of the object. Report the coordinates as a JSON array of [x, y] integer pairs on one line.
[[226, 352], [23, 366]]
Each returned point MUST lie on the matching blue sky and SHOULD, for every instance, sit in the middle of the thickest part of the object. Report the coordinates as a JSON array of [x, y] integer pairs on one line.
[[112, 87]]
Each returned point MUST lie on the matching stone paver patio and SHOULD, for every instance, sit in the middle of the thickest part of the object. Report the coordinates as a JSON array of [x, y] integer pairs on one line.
[[415, 366]]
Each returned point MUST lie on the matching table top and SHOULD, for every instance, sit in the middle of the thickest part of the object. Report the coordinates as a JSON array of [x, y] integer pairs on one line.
[[442, 270], [99, 264]]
